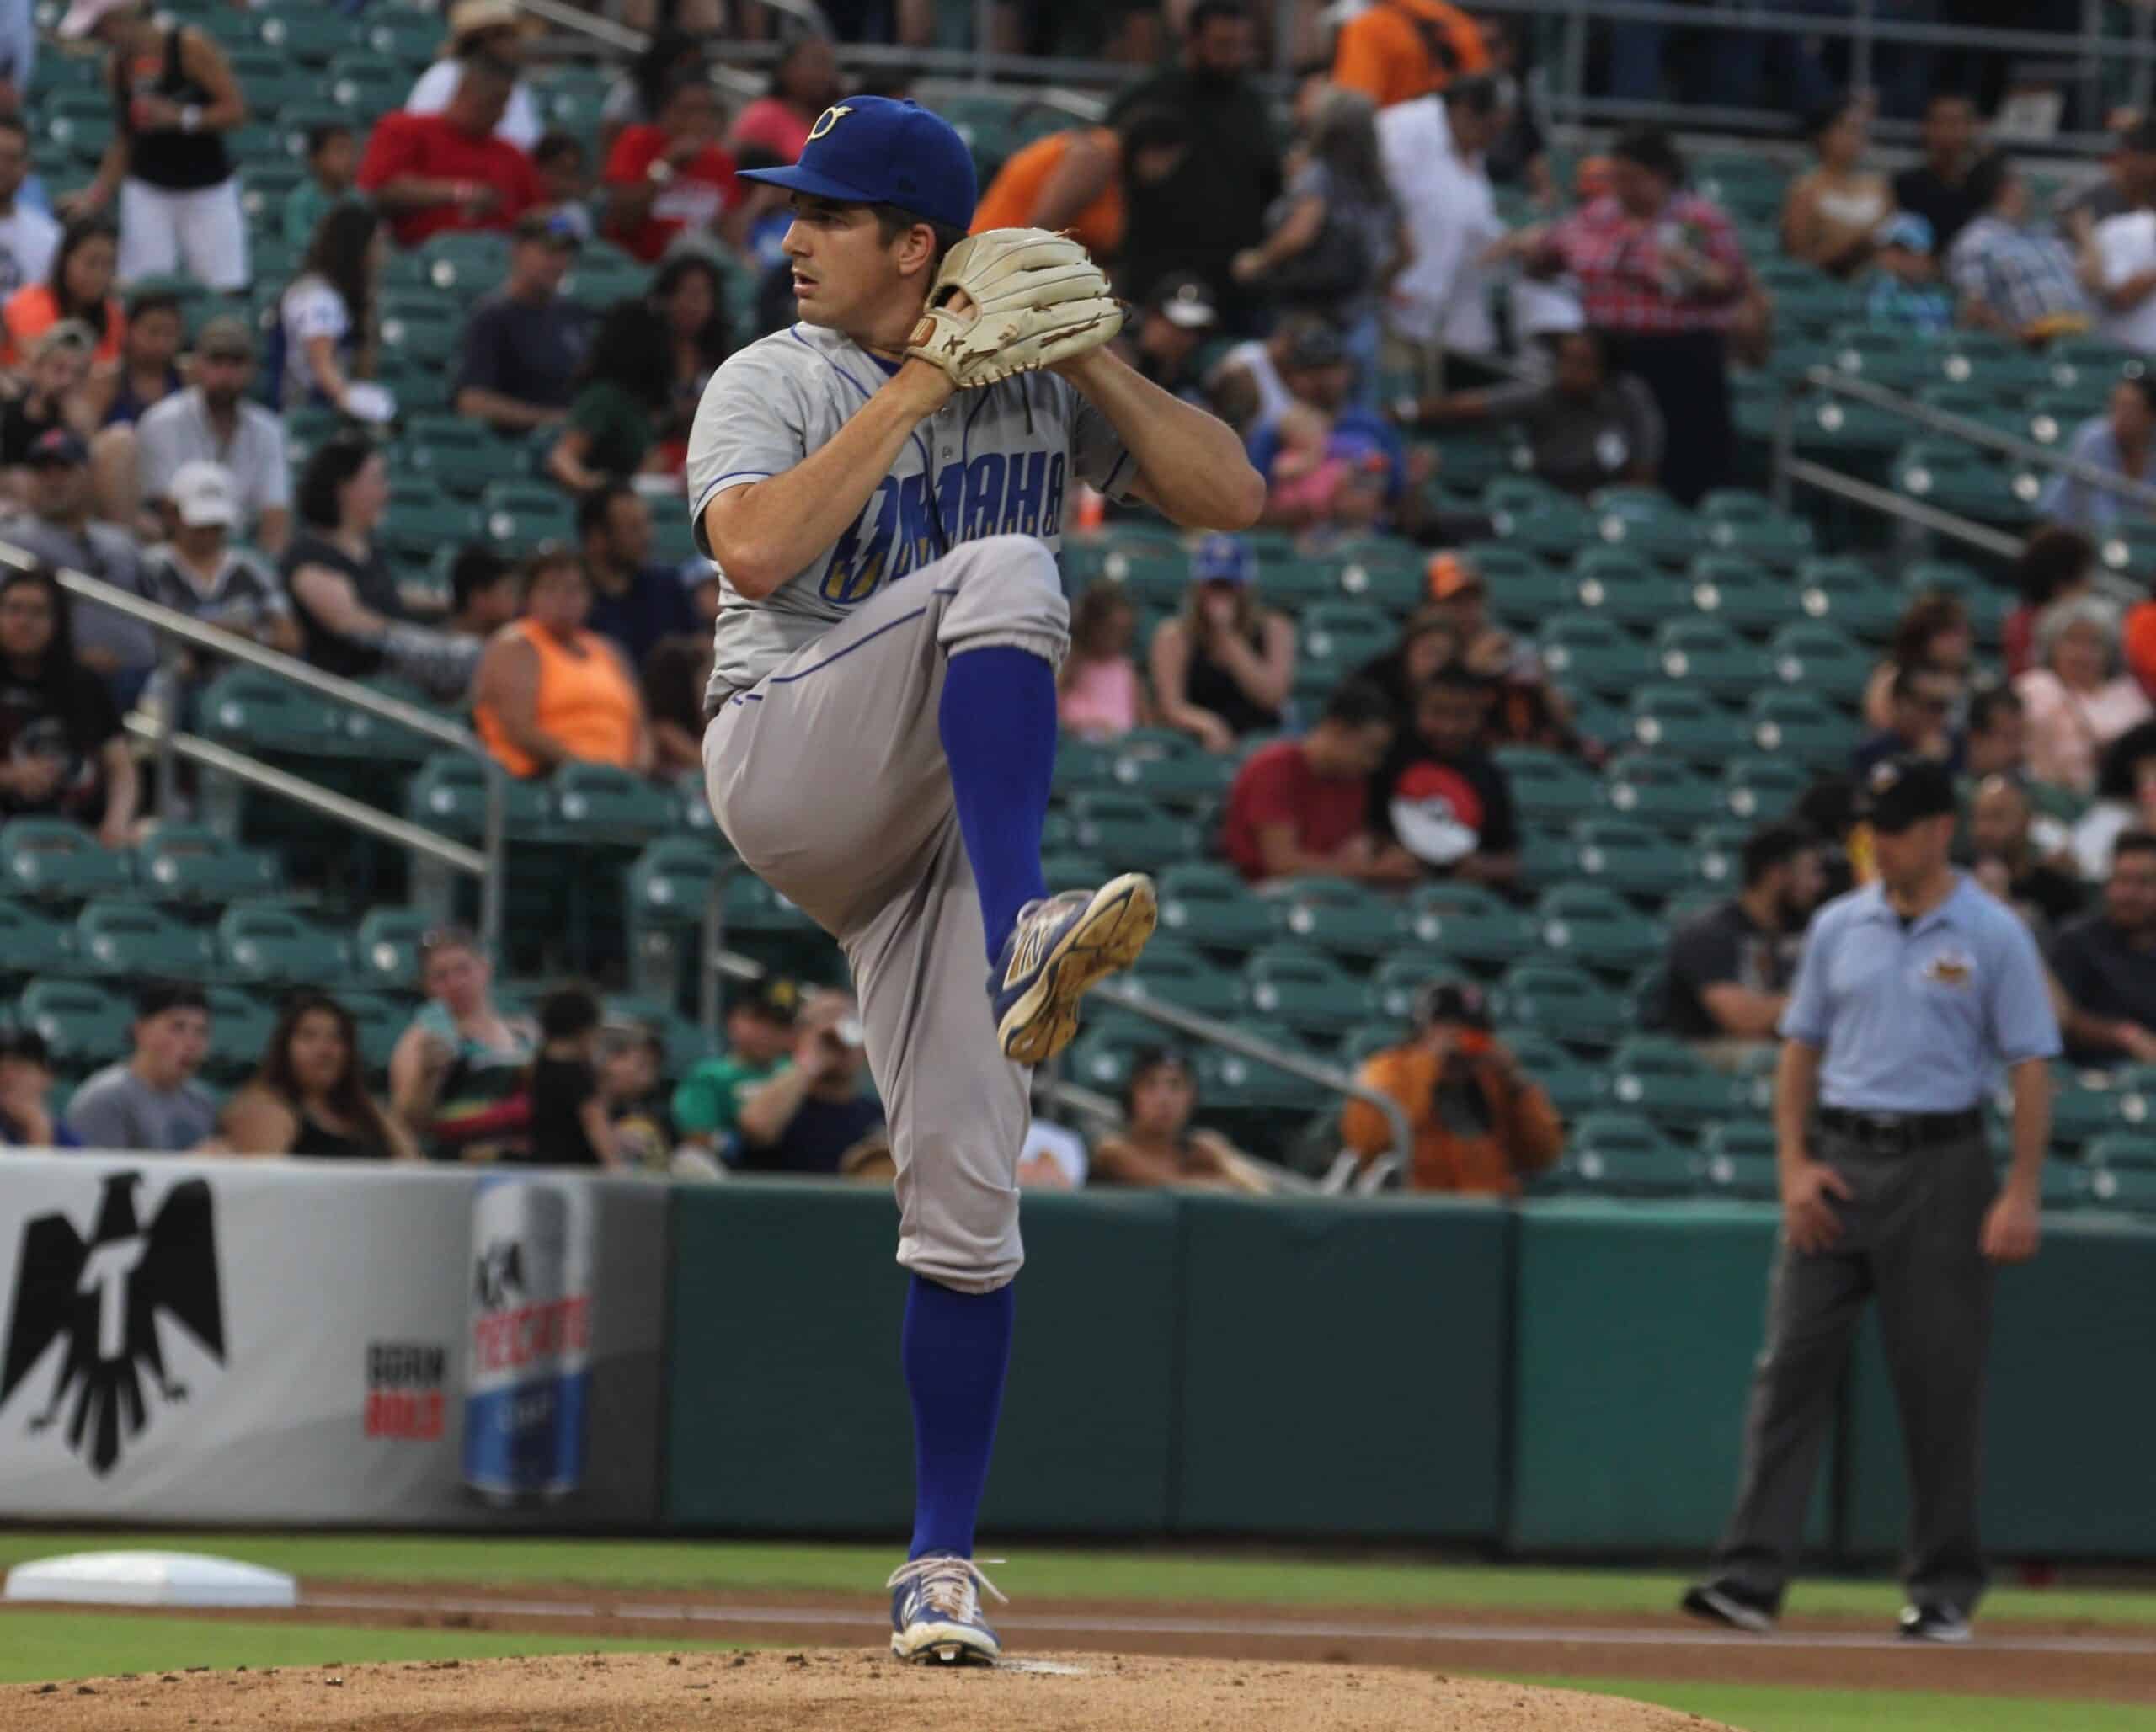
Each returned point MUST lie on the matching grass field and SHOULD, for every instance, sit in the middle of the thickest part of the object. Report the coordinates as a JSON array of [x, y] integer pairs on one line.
[[55, 1645]]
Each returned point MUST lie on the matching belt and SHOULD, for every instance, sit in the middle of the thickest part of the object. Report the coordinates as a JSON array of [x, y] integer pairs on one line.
[[1898, 1130]]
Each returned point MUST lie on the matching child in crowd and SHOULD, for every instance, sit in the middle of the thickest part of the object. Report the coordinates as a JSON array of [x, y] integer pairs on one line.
[[1099, 693], [332, 159], [568, 1116], [1322, 477], [1907, 293], [632, 1060]]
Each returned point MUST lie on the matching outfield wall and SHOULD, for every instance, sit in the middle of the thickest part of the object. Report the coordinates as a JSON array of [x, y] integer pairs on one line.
[[287, 1343]]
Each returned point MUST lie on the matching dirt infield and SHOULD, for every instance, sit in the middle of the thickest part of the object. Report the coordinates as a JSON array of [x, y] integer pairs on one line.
[[843, 1691], [2079, 1661]]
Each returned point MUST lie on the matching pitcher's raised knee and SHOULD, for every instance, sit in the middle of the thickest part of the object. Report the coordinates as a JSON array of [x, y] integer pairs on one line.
[[1006, 589]]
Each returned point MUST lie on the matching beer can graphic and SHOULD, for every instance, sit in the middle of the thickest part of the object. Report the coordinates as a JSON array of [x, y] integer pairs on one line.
[[527, 1366]]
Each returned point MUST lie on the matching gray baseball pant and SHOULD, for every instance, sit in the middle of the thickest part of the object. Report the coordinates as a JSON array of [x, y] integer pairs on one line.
[[829, 778], [1909, 1238]]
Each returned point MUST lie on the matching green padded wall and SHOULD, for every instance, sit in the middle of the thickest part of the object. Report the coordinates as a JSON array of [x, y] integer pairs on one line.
[[1343, 1366], [2070, 1412], [787, 1410], [1637, 1325]]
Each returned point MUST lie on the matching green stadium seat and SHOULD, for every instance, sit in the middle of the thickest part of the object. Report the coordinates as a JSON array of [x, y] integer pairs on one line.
[[1758, 788], [1646, 521], [76, 123], [1342, 634], [386, 949], [1709, 655], [2122, 1189], [408, 36], [33, 941], [1717, 853], [1101, 1058], [1340, 918], [1230, 1083], [1741, 593], [1596, 929], [81, 1022], [1625, 586], [597, 803], [2053, 417], [1548, 787], [1622, 1155], [2080, 1113], [1168, 765], [1303, 989], [1631, 859], [1363, 1043], [1177, 974], [422, 325], [1849, 594], [1130, 833], [1747, 525], [275, 946], [599, 283], [1397, 982], [2092, 362], [1668, 1082], [1204, 903], [1573, 1088], [379, 1022], [1659, 791], [418, 524], [747, 905], [1681, 720], [1294, 583], [1590, 653], [1471, 923], [1082, 764], [137, 940], [470, 263], [1822, 660], [1564, 1003], [1840, 428], [54, 858], [1973, 405], [1547, 523], [191, 863], [449, 794], [382, 741], [1741, 1174], [314, 37], [1891, 359], [2128, 547], [1957, 478], [2123, 1149], [1523, 591], [366, 85], [528, 512], [1802, 726], [240, 1024]]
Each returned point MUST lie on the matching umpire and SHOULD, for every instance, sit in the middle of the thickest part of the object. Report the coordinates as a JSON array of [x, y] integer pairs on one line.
[[1910, 990]]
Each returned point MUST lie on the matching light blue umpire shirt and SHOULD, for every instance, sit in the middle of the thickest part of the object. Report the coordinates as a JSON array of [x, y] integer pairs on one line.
[[1918, 1019]]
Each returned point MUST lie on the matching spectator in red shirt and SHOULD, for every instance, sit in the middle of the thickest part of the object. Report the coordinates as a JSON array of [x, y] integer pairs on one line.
[[1661, 277], [1300, 808], [671, 175], [431, 174]]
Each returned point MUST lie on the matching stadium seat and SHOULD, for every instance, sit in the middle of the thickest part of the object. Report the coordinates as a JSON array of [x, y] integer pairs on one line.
[[1622, 1155], [1596, 928], [1550, 524], [1888, 358], [1176, 974], [1130, 833], [1798, 725], [1957, 478], [2122, 1189], [596, 804], [1850, 595], [1562, 1002], [240, 1024], [747, 905], [1101, 1058], [2089, 363], [1742, 1175], [1646, 521], [1840, 428], [1708, 654], [2127, 546], [33, 940], [260, 713], [81, 1023], [367, 84], [314, 38], [449, 794], [1821, 659], [53, 859], [1170, 767], [277, 947], [1626, 587], [1665, 1080], [1630, 858], [1573, 1087], [1717, 856], [525, 513], [1590, 654], [1471, 923], [1390, 994], [1660, 791], [1548, 787], [461, 456], [190, 863], [1303, 989], [1747, 525], [1341, 636], [137, 940], [1758, 788], [2122, 1148], [386, 949], [1207, 903], [1741, 593], [1335, 916], [422, 326], [1682, 721], [1229, 1082]]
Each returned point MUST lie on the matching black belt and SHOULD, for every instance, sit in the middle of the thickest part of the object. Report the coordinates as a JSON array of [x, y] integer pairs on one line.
[[1893, 1131]]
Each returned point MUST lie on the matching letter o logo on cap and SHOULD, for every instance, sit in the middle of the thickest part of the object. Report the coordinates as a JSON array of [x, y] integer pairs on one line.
[[827, 120]]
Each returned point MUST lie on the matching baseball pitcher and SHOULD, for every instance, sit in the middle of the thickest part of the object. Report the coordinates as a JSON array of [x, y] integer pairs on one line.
[[883, 487]]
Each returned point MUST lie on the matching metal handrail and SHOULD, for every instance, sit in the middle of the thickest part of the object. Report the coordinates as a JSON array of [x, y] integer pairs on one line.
[[1893, 504], [1944, 421], [1123, 997], [172, 626]]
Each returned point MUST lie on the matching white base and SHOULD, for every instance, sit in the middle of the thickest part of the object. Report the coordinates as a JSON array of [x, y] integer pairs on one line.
[[150, 1579]]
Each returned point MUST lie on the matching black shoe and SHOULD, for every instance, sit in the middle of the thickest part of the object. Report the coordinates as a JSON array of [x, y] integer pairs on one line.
[[1933, 1624], [1724, 1602]]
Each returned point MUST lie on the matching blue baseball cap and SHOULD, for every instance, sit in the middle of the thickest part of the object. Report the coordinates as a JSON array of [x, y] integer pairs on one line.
[[1223, 559], [870, 150]]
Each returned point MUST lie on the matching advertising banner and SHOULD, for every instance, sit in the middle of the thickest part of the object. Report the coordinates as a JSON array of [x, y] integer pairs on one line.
[[205, 1340]]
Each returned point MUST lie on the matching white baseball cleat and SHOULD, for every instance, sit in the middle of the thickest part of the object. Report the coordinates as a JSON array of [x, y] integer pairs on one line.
[[936, 1615], [1058, 948]]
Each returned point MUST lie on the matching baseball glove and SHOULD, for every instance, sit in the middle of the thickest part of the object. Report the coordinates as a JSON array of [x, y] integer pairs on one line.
[[1037, 297]]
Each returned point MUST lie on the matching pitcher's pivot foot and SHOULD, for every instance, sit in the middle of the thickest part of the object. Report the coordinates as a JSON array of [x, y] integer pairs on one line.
[[1057, 949], [936, 1615]]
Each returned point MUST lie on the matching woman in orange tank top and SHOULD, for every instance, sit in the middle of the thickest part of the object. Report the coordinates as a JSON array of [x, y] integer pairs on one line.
[[1069, 180], [549, 692]]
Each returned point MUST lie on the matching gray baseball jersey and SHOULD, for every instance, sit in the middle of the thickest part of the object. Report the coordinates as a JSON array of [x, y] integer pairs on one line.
[[1003, 459]]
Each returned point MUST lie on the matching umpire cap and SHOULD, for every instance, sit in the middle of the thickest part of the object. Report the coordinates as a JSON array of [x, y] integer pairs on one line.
[[1904, 791], [870, 150]]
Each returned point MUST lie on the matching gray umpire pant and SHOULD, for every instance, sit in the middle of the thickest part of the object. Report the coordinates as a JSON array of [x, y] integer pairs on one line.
[[830, 780], [1910, 1239]]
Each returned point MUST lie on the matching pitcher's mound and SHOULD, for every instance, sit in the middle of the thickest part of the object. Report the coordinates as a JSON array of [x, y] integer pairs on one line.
[[833, 1691]]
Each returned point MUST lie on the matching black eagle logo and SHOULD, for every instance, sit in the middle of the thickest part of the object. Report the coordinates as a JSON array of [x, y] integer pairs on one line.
[[102, 1298]]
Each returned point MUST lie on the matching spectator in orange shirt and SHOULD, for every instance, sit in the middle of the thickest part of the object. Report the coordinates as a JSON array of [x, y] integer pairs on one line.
[[1480, 1122], [1394, 50], [427, 173], [1074, 180], [77, 286], [670, 176]]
